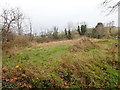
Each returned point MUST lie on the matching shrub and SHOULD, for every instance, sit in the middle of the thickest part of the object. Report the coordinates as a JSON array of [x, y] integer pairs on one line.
[[82, 45], [17, 42], [43, 39], [69, 34], [100, 31], [83, 29]]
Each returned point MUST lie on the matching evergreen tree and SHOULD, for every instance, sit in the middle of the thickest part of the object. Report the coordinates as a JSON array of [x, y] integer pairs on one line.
[[66, 33], [69, 34], [83, 29], [78, 29]]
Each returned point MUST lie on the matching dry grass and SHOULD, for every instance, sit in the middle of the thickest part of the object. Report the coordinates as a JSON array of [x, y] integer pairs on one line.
[[82, 44], [72, 41], [50, 65]]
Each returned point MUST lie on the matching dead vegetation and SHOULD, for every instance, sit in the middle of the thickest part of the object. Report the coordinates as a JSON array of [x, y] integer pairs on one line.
[[52, 65], [82, 45]]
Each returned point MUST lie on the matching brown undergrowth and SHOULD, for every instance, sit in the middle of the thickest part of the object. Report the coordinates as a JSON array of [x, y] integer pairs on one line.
[[83, 44]]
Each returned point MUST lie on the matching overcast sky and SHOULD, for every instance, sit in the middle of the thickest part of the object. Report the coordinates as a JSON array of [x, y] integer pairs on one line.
[[49, 13]]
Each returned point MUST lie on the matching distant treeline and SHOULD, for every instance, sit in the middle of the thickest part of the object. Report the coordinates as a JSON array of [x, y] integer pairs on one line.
[[16, 30]]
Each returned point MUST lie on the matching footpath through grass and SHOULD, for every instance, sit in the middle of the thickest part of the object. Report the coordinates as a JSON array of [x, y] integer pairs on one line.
[[63, 65]]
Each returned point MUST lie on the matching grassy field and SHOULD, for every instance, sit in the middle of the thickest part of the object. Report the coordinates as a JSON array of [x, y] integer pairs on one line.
[[78, 63]]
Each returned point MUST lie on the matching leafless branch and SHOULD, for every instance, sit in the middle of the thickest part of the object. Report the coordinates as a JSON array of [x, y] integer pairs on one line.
[[110, 8]]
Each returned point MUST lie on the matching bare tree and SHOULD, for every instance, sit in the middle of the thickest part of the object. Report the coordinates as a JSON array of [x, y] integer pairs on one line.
[[83, 23], [110, 25], [19, 21], [55, 32], [10, 18], [70, 25], [110, 5], [30, 29]]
